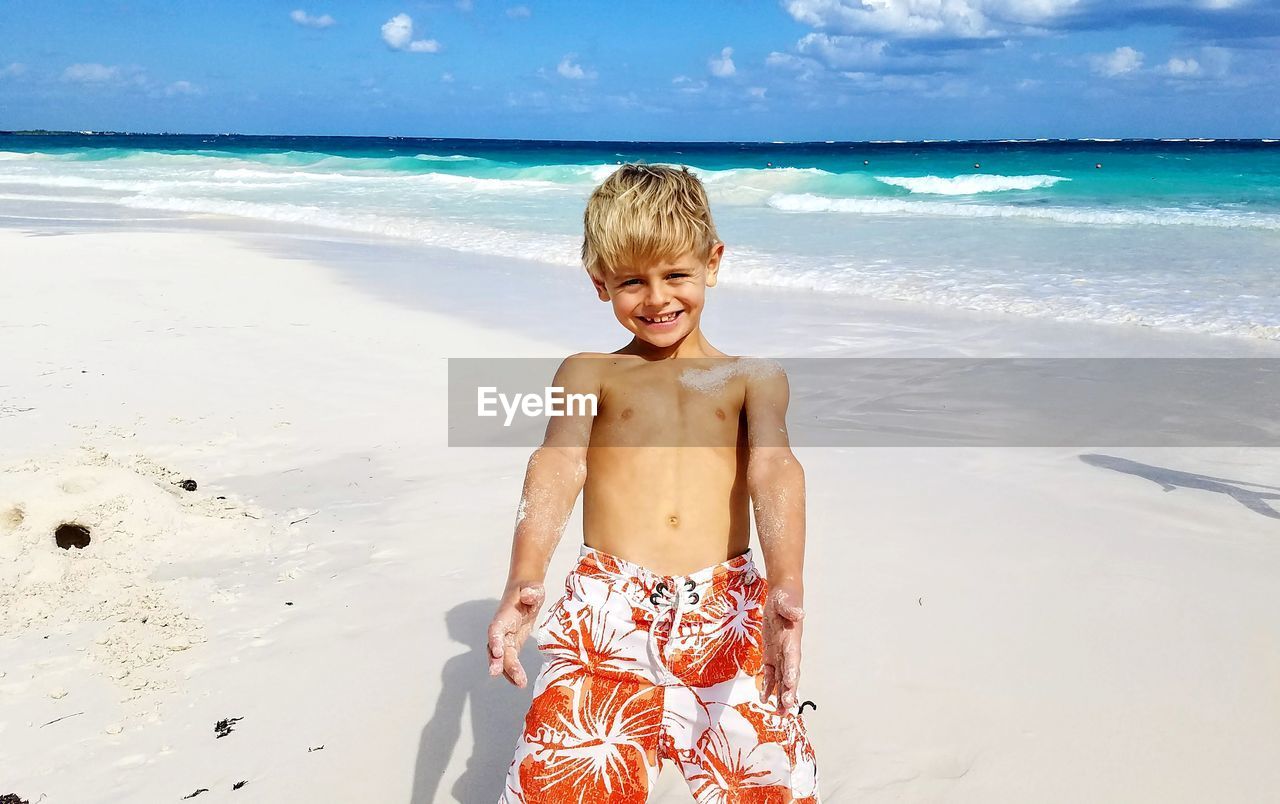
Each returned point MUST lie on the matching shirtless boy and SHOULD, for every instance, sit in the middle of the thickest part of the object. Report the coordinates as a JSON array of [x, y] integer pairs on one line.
[[668, 644]]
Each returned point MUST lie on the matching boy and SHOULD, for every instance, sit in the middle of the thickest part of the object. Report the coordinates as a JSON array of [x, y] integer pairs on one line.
[[667, 643]]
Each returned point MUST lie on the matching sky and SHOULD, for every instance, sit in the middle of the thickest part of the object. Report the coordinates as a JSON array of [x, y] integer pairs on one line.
[[673, 70]]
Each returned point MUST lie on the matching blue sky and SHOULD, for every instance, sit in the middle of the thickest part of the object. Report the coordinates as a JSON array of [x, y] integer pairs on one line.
[[647, 69]]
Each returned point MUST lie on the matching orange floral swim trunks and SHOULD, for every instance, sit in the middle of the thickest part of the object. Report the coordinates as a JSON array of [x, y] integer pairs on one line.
[[640, 668]]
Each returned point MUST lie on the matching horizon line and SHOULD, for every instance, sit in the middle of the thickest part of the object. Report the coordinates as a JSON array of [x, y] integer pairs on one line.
[[930, 141]]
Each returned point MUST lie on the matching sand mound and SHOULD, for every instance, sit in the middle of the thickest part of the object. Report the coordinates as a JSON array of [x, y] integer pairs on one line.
[[82, 534]]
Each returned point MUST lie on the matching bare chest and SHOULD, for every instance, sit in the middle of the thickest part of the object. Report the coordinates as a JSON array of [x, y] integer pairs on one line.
[[660, 410]]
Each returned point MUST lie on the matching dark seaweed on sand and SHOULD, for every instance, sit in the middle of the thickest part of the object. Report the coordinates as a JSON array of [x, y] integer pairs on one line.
[[12, 798], [225, 726], [71, 534], [198, 792]]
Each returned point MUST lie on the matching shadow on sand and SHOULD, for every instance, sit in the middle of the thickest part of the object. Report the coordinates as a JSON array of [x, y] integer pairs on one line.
[[1170, 479], [497, 714]]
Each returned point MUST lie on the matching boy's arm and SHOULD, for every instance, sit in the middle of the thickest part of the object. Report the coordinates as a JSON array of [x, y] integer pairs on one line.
[[775, 481], [552, 482]]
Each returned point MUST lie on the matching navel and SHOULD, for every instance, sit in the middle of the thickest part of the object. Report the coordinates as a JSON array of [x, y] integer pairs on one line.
[[673, 521], [719, 414], [626, 413]]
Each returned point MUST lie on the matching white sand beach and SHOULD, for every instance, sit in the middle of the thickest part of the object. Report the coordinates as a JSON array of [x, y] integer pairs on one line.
[[985, 625]]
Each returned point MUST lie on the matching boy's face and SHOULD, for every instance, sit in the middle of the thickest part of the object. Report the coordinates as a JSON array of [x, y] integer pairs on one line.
[[661, 303]]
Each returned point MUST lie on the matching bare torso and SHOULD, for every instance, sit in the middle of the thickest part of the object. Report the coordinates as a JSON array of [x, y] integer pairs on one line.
[[667, 463]]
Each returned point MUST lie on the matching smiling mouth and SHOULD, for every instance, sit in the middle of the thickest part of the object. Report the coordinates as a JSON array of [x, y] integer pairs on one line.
[[666, 318]]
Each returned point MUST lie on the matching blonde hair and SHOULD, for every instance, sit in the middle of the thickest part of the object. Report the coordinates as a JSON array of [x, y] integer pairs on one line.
[[643, 214]]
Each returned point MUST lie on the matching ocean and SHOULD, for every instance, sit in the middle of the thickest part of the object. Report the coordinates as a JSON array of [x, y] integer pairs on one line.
[[1180, 235]]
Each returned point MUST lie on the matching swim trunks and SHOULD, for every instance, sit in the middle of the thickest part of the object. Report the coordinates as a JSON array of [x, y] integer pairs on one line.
[[639, 668]]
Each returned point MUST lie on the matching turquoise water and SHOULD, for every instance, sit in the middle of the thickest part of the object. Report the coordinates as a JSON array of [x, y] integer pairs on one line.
[[1171, 234]]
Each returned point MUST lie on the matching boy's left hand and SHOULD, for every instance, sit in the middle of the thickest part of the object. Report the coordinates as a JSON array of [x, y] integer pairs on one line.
[[511, 626], [783, 618]]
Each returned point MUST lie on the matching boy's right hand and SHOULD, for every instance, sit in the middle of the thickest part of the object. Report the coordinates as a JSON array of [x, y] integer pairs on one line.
[[510, 628]]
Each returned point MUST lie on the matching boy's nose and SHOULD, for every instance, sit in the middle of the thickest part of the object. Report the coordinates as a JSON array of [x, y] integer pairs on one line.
[[657, 297]]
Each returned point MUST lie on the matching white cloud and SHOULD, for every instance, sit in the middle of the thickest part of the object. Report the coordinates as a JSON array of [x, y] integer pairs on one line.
[[907, 18], [722, 66], [519, 12], [819, 51], [182, 88], [843, 52], [1030, 12], [959, 19], [757, 92], [1121, 61], [127, 78], [91, 74], [397, 32], [13, 70], [880, 36], [307, 21], [446, 78], [568, 68], [805, 68], [1207, 62], [685, 84]]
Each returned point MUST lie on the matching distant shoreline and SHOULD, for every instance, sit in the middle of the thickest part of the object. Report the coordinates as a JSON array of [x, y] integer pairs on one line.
[[1088, 141]]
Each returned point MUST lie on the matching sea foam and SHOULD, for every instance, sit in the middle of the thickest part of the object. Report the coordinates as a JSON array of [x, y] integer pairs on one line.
[[969, 185]]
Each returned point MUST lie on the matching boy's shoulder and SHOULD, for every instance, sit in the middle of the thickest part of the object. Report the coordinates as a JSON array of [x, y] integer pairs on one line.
[[580, 370], [591, 371], [588, 356], [582, 363]]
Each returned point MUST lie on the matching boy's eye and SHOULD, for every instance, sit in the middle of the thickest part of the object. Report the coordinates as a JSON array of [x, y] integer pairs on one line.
[[677, 276], [631, 282]]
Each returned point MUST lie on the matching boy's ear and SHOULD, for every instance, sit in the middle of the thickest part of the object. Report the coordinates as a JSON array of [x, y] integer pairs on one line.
[[713, 264], [601, 290]]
